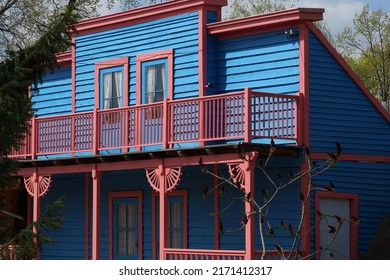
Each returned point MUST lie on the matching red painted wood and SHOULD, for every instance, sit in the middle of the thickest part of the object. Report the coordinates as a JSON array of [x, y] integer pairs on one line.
[[353, 204], [146, 14], [264, 23], [95, 214], [124, 194], [243, 115]]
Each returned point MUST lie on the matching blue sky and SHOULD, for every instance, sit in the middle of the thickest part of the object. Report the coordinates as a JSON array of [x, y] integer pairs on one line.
[[339, 13]]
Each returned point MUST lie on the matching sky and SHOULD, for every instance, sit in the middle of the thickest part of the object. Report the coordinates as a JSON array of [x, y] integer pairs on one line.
[[338, 13]]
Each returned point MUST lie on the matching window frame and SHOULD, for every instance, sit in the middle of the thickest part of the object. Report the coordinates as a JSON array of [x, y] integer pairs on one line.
[[124, 194], [175, 195], [353, 229], [112, 65], [144, 60]]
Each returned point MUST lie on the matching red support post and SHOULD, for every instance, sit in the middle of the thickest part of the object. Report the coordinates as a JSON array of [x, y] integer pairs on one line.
[[248, 115], [95, 214], [34, 138], [248, 168], [163, 211], [95, 138], [166, 124]]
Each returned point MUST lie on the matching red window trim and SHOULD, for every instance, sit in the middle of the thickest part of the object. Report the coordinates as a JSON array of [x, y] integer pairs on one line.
[[184, 195], [168, 54], [353, 205], [123, 61], [124, 194]]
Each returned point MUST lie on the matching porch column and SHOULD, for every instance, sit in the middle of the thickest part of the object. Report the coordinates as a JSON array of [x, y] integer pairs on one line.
[[36, 202], [163, 211], [245, 176], [163, 180], [96, 175], [249, 189]]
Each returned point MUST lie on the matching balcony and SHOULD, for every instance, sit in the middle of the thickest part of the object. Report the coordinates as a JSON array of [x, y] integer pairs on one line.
[[225, 118]]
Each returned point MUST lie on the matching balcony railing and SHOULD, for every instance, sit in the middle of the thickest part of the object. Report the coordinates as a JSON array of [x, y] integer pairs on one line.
[[243, 116]]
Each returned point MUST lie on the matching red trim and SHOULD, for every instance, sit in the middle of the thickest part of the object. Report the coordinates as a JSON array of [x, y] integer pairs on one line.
[[304, 106], [65, 59], [96, 176], [152, 56], [144, 14], [216, 208], [86, 215], [262, 23], [123, 61], [155, 195], [73, 53], [348, 69], [353, 204], [350, 157], [124, 194]]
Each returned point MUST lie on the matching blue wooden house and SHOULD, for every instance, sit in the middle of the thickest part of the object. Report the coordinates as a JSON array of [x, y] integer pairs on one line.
[[145, 94]]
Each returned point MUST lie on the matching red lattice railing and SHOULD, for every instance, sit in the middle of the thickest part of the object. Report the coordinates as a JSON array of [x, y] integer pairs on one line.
[[243, 116]]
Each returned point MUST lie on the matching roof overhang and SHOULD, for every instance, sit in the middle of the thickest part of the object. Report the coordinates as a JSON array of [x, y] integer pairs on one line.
[[265, 22], [291, 151], [147, 13]]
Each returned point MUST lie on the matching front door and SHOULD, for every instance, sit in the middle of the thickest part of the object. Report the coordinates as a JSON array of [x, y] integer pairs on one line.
[[126, 237]]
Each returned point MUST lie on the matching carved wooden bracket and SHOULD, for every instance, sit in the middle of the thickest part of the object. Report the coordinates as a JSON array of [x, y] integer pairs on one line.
[[173, 176], [237, 171], [44, 183]]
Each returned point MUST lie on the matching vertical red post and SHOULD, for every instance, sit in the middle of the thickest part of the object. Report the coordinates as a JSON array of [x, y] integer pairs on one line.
[[249, 189], [163, 212], [34, 138], [95, 214], [166, 124], [248, 115], [95, 138], [36, 204]]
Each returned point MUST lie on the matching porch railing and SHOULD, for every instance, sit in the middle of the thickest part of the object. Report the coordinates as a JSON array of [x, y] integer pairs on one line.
[[242, 116], [199, 254]]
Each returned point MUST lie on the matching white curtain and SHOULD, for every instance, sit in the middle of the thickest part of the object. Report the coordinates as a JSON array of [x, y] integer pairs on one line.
[[150, 83], [118, 86], [163, 80], [107, 95]]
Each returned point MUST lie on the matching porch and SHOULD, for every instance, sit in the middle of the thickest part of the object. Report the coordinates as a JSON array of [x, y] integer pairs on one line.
[[246, 116]]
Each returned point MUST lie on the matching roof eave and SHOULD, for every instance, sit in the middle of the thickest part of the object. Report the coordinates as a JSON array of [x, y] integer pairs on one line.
[[265, 21]]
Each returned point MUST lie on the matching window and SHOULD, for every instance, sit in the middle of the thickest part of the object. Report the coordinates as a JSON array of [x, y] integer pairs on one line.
[[155, 82], [154, 77], [112, 83], [111, 89], [177, 221]]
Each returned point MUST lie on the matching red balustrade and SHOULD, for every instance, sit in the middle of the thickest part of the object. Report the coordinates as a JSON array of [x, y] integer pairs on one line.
[[242, 116]]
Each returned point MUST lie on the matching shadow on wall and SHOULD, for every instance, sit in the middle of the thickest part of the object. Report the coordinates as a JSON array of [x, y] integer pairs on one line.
[[380, 246]]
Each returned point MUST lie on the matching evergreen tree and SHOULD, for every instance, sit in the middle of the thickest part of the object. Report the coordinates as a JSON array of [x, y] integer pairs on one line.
[[21, 68]]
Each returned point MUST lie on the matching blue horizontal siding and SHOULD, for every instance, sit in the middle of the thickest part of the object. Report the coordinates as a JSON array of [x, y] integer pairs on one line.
[[340, 111], [178, 32], [265, 62], [54, 96], [370, 181], [70, 240]]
